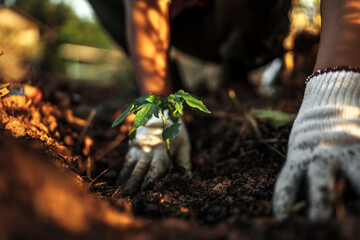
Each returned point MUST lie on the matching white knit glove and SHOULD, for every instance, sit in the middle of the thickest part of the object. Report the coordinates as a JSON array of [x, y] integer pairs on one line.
[[325, 138], [147, 159]]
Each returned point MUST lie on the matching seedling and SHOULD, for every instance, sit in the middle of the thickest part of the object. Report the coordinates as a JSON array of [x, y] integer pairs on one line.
[[150, 105], [278, 119]]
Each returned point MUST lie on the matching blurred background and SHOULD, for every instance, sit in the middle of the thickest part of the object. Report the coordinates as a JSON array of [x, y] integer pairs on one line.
[[65, 39], [61, 37]]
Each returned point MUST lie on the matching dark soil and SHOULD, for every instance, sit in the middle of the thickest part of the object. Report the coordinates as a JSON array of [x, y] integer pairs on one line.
[[236, 159]]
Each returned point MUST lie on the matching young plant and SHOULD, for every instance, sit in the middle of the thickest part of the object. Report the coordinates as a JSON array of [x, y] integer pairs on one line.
[[278, 119], [150, 105]]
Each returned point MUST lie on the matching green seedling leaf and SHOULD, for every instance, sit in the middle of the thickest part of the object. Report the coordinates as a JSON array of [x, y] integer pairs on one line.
[[132, 134], [176, 101], [150, 105], [277, 118], [171, 132], [175, 117], [121, 118], [141, 100], [134, 105], [156, 101], [137, 109], [192, 101], [153, 99], [145, 113]]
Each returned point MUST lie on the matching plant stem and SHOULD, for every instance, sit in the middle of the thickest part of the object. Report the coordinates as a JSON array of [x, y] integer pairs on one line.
[[167, 140], [173, 113]]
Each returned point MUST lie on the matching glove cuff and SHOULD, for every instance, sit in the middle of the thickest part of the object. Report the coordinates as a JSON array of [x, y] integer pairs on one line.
[[329, 114], [336, 88]]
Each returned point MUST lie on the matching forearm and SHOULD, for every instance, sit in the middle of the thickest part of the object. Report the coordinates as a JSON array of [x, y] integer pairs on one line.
[[148, 38], [340, 28]]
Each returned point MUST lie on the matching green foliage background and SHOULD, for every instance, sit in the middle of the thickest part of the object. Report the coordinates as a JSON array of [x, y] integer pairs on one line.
[[69, 28]]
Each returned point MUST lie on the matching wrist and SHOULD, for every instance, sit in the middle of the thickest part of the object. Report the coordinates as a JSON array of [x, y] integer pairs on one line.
[[158, 85], [163, 92], [338, 86], [329, 114]]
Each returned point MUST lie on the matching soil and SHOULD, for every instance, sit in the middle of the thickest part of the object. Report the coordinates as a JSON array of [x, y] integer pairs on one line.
[[60, 159]]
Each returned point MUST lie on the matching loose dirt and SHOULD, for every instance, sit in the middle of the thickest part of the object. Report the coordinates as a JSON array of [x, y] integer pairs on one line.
[[59, 162]]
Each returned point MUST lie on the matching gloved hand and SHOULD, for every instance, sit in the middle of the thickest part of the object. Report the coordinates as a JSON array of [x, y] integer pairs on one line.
[[325, 138], [147, 159]]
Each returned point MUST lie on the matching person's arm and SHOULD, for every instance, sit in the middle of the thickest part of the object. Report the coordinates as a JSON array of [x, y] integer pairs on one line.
[[325, 137], [148, 36], [148, 40]]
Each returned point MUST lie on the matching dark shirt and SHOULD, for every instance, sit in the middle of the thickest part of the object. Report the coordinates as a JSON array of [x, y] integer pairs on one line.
[[178, 6]]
